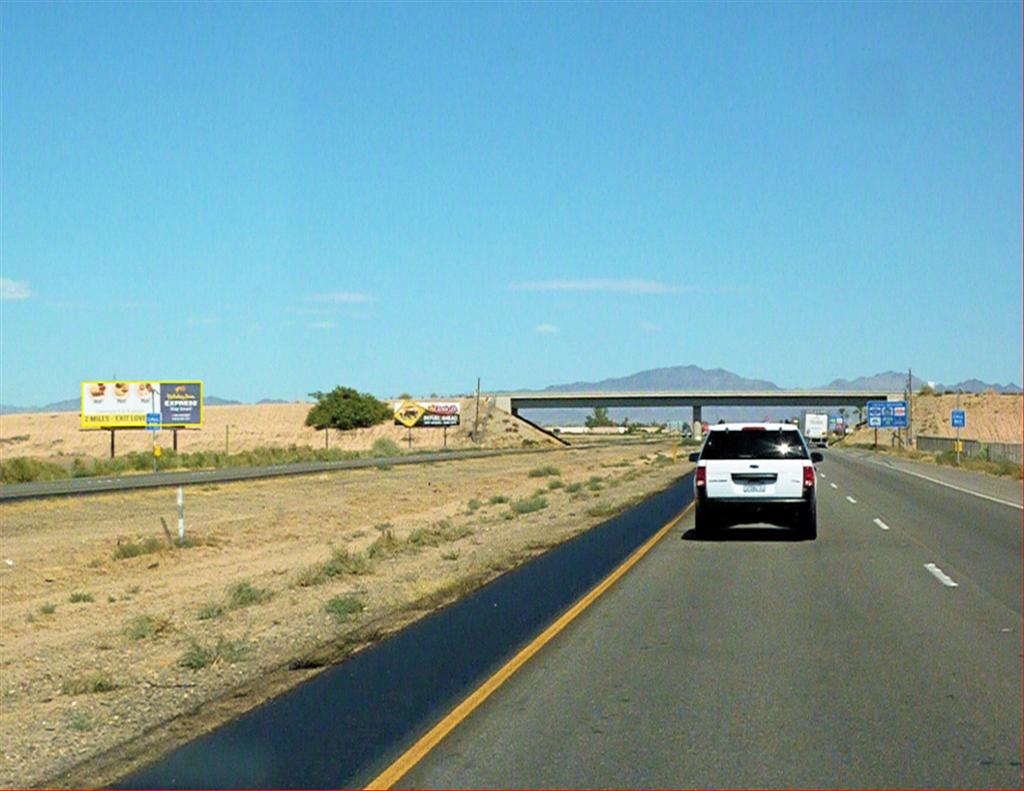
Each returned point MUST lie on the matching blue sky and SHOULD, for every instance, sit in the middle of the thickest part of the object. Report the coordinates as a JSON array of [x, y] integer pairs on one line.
[[278, 198]]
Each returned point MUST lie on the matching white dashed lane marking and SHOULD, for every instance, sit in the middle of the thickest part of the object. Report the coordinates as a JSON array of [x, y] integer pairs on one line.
[[851, 499], [833, 486], [940, 575], [881, 524]]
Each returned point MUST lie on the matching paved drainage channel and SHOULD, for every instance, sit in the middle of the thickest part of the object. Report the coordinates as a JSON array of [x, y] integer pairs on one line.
[[341, 727]]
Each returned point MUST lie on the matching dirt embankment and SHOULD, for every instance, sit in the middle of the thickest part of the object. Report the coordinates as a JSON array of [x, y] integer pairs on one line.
[[991, 417], [116, 647], [57, 436]]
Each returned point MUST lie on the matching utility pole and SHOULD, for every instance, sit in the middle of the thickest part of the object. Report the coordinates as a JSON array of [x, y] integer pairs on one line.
[[958, 429], [910, 410], [476, 418]]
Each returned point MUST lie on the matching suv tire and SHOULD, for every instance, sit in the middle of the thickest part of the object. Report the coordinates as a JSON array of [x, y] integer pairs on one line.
[[703, 525], [807, 523]]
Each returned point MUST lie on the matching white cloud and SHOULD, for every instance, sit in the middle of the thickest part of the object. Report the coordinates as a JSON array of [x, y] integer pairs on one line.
[[322, 325], [342, 297], [14, 289], [546, 329], [649, 326], [627, 286]]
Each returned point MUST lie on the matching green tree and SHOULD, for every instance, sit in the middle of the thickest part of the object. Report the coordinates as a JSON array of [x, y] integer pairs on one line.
[[599, 418], [345, 408]]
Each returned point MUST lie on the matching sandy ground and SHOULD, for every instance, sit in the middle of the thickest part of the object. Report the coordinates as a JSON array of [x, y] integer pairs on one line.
[[92, 687], [57, 436], [991, 417]]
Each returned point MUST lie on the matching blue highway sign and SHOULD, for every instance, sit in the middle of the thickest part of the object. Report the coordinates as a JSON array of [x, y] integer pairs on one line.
[[152, 421], [887, 414], [959, 418]]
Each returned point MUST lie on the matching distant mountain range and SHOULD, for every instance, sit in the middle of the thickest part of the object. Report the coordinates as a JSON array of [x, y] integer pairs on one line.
[[692, 377], [678, 377], [74, 404]]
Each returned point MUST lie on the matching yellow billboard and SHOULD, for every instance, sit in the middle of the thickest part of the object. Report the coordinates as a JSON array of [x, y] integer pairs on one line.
[[127, 404]]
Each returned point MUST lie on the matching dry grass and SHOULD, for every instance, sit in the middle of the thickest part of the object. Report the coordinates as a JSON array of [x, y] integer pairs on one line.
[[186, 620]]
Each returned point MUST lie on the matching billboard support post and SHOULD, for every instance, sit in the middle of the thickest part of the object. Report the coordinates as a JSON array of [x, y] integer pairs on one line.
[[174, 434], [112, 442], [445, 435]]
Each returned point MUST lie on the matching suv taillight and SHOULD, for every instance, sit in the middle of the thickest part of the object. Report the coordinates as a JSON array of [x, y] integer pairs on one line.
[[808, 476], [702, 476]]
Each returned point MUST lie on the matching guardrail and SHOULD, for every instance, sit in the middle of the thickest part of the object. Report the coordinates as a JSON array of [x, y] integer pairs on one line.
[[997, 451]]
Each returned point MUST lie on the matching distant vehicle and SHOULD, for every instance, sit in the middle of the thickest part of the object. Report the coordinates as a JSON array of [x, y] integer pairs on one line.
[[758, 472], [816, 429]]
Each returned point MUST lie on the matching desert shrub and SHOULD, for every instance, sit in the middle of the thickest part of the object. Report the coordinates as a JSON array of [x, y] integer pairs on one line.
[[525, 505], [210, 611], [386, 545], [145, 626], [498, 499], [23, 470], [344, 607], [197, 655], [90, 684], [543, 472], [382, 446], [244, 594], [80, 721], [132, 549], [344, 562], [344, 408]]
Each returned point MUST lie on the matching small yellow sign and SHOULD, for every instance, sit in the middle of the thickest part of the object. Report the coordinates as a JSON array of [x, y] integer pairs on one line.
[[158, 451], [409, 413]]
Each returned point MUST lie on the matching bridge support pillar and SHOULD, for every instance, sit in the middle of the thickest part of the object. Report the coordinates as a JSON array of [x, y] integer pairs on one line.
[[698, 429]]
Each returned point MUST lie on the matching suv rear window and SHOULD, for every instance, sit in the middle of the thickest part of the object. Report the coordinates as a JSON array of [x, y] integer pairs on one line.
[[778, 444]]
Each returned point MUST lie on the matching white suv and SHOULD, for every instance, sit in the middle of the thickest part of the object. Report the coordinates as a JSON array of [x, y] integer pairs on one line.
[[755, 472]]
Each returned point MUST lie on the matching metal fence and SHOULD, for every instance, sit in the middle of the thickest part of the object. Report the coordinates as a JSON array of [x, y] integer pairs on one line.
[[997, 451]]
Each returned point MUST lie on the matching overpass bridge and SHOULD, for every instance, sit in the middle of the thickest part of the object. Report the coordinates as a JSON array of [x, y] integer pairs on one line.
[[694, 399]]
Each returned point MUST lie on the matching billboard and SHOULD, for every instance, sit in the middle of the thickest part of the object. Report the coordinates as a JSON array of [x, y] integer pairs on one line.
[[126, 404], [431, 414]]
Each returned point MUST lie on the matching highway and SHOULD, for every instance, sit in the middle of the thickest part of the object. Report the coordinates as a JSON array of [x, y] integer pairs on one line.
[[885, 654]]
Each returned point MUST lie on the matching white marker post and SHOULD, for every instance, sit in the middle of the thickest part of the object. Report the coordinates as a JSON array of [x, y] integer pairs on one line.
[[181, 516]]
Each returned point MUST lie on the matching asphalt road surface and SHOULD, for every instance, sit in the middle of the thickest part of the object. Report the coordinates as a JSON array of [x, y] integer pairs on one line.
[[885, 654]]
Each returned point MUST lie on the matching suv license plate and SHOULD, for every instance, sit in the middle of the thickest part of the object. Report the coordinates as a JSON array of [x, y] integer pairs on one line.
[[753, 487]]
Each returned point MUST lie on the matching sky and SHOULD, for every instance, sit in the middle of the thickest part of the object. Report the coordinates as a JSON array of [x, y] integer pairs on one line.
[[277, 198]]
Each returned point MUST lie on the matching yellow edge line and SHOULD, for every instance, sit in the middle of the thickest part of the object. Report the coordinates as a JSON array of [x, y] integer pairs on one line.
[[435, 735]]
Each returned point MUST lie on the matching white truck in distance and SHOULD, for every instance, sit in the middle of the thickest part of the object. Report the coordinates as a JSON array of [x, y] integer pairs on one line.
[[816, 429]]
